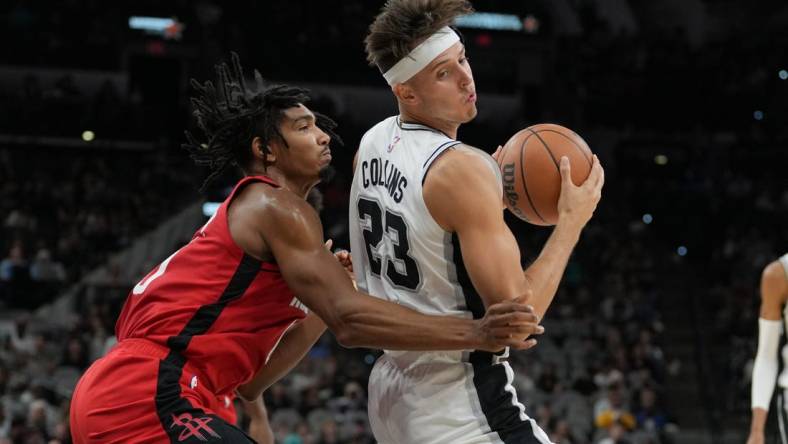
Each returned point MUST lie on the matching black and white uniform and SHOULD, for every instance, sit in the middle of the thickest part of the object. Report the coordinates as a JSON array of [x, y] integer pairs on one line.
[[782, 379], [401, 254]]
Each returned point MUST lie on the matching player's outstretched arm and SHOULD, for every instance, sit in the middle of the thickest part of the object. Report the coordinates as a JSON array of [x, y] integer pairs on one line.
[[293, 346], [575, 208], [259, 428], [292, 231], [290, 351], [774, 291], [464, 196]]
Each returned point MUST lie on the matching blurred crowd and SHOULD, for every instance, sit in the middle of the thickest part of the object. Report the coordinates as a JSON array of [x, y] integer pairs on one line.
[[40, 364], [62, 106], [63, 211], [754, 199], [654, 74]]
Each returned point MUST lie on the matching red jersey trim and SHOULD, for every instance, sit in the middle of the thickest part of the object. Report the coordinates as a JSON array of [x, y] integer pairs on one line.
[[224, 229], [168, 390]]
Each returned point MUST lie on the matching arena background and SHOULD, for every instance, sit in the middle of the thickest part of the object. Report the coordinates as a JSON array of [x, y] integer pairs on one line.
[[652, 334]]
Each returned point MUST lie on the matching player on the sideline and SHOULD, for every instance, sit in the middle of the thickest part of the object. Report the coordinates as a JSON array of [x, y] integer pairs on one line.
[[427, 232], [210, 315], [774, 311]]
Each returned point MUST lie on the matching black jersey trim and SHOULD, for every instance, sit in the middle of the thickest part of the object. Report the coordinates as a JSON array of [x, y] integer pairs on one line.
[[781, 416], [781, 391], [442, 146], [168, 390], [473, 301], [434, 156], [410, 126], [498, 405], [490, 379]]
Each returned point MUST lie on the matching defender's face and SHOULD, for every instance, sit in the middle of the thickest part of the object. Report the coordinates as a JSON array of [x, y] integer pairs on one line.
[[308, 149], [445, 88]]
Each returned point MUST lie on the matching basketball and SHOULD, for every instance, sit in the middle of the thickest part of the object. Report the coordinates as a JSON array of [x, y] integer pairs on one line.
[[530, 166]]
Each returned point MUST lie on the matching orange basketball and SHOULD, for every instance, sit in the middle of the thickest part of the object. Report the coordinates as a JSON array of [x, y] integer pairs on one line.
[[530, 165]]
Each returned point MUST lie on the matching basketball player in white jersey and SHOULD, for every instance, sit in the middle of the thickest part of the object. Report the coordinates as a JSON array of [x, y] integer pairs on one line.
[[427, 231], [774, 294]]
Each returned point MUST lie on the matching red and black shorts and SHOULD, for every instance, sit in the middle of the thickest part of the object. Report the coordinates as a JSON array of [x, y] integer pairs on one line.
[[142, 392]]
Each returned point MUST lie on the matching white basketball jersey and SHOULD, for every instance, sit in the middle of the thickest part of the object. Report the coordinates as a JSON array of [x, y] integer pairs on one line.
[[399, 252]]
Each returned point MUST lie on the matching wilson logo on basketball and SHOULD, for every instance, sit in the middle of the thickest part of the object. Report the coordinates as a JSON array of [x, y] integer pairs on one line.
[[508, 187]]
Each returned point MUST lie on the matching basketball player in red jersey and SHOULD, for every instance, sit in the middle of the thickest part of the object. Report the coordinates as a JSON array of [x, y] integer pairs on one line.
[[210, 316]]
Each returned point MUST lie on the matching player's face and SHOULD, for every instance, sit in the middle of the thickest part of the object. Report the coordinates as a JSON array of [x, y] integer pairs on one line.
[[445, 88], [308, 152]]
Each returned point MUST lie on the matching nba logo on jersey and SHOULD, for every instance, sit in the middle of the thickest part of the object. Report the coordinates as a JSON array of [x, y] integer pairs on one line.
[[391, 145]]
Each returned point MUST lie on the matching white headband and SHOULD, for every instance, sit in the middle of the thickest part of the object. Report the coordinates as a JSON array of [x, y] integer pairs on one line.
[[421, 56]]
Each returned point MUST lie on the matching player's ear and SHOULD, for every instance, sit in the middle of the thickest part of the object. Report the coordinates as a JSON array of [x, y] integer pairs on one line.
[[262, 152], [405, 93]]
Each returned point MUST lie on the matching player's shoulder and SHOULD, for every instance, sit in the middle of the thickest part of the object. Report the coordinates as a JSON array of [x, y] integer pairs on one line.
[[462, 163], [465, 176], [462, 186], [774, 281], [373, 136], [380, 129], [783, 260], [276, 206], [776, 271]]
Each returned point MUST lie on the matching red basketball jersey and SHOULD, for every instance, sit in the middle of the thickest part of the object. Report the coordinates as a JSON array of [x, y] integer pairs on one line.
[[211, 303]]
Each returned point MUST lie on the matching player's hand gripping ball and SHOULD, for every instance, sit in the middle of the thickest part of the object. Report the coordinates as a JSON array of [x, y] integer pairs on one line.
[[530, 166]]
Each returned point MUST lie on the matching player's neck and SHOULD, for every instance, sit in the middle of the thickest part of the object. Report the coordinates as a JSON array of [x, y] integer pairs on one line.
[[299, 186], [411, 116]]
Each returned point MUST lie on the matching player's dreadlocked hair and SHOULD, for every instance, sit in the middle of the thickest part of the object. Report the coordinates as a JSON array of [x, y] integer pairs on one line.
[[231, 115]]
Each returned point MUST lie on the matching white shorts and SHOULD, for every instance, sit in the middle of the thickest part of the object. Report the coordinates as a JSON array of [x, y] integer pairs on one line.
[[445, 402], [782, 414]]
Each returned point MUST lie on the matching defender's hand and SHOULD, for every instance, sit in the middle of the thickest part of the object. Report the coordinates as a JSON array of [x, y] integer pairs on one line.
[[577, 203], [508, 324], [344, 258], [497, 153]]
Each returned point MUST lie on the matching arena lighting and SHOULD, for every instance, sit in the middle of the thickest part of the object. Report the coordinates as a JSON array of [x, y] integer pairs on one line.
[[757, 115], [88, 136], [783, 74], [210, 208], [152, 24], [531, 24], [661, 159], [648, 218], [165, 27], [490, 20]]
